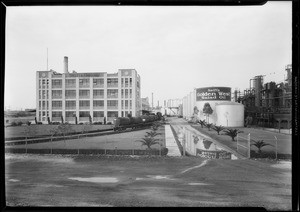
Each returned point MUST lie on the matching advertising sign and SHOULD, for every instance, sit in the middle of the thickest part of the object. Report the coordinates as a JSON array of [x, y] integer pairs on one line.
[[213, 154], [213, 93]]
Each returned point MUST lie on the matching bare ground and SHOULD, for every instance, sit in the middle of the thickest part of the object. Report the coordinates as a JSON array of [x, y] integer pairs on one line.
[[33, 180]]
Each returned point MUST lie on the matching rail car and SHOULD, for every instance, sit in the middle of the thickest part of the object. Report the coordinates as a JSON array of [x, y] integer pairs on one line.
[[123, 123]]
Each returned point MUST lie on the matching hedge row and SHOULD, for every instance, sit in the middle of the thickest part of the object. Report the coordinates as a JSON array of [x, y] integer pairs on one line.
[[164, 151]]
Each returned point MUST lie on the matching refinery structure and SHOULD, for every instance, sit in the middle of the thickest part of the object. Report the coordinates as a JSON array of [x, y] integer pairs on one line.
[[262, 104]]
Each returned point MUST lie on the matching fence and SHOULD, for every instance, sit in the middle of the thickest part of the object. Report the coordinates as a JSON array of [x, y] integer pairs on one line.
[[243, 145], [271, 147]]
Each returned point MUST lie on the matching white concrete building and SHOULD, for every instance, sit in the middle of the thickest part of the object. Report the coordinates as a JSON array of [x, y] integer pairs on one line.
[[87, 95]]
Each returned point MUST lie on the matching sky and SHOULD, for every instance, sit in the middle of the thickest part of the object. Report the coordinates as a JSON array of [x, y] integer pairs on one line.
[[174, 49]]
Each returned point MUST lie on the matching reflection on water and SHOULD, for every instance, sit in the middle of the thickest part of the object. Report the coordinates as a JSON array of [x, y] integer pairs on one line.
[[202, 147]]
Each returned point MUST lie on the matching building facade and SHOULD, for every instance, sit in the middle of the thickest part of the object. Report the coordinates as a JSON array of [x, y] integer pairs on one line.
[[87, 96]]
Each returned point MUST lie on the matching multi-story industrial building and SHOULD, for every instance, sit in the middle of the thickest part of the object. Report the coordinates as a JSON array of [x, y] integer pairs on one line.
[[86, 97]]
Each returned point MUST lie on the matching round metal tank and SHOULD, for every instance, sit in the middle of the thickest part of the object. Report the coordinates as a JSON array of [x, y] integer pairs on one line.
[[230, 114], [213, 96]]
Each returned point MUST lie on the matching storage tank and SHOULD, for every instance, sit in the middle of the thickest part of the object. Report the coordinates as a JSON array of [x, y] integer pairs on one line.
[[230, 114], [212, 96]]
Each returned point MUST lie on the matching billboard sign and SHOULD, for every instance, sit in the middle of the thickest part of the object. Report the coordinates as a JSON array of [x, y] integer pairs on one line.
[[213, 93]]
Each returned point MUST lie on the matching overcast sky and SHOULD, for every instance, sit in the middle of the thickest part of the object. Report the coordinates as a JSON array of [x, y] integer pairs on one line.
[[174, 49]]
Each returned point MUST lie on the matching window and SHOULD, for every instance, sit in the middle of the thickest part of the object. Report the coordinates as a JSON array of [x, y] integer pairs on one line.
[[122, 93], [57, 83], [126, 82], [112, 103], [112, 114], [44, 94], [47, 94], [98, 103], [83, 83], [130, 93], [98, 93], [40, 94], [84, 104], [70, 94], [70, 104], [70, 113], [84, 94], [126, 93], [130, 82], [56, 94], [84, 114], [43, 104], [122, 81], [40, 104], [130, 104], [112, 93], [112, 82], [98, 114], [70, 83], [56, 104], [98, 82], [56, 113], [126, 104]]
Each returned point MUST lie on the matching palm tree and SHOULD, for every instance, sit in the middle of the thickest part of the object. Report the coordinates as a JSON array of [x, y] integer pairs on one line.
[[152, 134], [202, 123], [148, 141], [218, 128], [232, 133], [260, 144], [209, 126]]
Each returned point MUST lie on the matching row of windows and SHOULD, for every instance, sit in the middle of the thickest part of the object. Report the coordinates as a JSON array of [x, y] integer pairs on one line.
[[111, 82], [58, 114], [85, 103], [111, 93]]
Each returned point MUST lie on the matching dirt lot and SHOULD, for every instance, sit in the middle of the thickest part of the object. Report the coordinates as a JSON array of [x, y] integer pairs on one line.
[[33, 180]]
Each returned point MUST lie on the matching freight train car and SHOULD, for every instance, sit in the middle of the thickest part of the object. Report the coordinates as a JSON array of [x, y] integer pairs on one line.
[[123, 123]]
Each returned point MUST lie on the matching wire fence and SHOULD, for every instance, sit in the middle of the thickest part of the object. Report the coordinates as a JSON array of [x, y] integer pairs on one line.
[[264, 147]]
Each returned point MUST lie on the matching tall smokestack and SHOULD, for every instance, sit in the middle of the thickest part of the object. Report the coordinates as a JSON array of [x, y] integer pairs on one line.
[[66, 65]]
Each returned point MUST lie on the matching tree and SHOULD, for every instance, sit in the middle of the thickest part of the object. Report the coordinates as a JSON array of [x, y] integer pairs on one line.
[[86, 128], [218, 128], [152, 134], [148, 141], [29, 130], [202, 123], [260, 144], [232, 133], [64, 129], [207, 110], [209, 126], [104, 120], [53, 131]]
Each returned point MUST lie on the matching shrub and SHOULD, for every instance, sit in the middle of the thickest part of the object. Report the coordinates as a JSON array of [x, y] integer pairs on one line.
[[19, 123], [14, 124], [232, 133], [97, 123], [209, 126], [218, 128], [202, 123], [80, 123], [109, 123], [260, 144], [28, 123], [39, 122]]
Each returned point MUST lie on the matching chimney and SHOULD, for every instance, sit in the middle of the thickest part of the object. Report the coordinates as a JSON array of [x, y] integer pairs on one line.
[[66, 65]]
